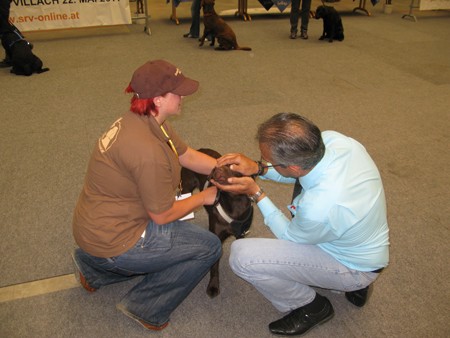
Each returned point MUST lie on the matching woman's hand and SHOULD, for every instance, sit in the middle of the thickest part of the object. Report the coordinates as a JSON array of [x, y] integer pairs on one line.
[[240, 163], [209, 195], [181, 208]]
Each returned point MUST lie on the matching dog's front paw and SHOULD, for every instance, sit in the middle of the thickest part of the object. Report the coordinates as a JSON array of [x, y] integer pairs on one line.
[[330, 40], [212, 291], [322, 37], [213, 288]]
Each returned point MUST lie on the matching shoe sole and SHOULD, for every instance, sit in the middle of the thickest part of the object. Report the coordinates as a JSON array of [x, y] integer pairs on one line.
[[147, 326], [79, 276]]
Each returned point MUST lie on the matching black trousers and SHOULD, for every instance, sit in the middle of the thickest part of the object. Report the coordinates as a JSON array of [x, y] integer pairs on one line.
[[5, 6], [303, 13]]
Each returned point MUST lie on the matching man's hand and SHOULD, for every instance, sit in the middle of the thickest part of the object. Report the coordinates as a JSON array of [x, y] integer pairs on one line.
[[240, 163], [239, 185]]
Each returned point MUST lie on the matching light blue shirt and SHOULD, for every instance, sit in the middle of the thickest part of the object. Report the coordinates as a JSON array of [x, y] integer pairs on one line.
[[342, 207]]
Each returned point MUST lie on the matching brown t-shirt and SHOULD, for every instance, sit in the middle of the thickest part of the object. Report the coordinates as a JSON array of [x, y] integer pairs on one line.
[[132, 169]]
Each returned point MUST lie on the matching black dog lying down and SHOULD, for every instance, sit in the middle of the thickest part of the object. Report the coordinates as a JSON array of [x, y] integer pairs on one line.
[[231, 215], [332, 23], [18, 51]]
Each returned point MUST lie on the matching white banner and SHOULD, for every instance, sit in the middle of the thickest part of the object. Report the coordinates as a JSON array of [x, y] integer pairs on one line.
[[30, 15], [434, 4]]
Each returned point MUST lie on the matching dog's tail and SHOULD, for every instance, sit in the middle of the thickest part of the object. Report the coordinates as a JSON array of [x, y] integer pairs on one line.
[[43, 70], [243, 48]]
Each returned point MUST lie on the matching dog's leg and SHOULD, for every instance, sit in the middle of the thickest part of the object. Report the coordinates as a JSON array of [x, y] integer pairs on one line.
[[332, 29], [202, 39], [340, 33], [223, 233], [324, 30], [213, 288], [205, 34]]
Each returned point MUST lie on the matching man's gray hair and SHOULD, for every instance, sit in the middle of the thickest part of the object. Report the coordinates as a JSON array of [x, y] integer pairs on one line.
[[292, 140]]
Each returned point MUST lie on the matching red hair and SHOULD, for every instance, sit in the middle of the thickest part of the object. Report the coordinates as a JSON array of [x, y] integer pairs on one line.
[[141, 106]]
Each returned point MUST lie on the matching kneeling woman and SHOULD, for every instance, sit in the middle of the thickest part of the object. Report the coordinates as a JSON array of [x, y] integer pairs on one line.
[[126, 222]]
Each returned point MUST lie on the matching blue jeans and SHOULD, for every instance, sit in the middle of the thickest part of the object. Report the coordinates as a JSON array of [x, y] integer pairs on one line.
[[284, 271], [173, 258]]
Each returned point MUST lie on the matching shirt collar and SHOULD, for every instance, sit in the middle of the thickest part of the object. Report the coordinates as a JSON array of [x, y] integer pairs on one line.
[[310, 179]]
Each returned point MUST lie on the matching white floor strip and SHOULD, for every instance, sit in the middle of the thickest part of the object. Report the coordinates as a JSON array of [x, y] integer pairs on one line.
[[36, 288]]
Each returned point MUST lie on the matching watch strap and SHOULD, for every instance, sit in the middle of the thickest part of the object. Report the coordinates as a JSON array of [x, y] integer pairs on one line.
[[254, 198]]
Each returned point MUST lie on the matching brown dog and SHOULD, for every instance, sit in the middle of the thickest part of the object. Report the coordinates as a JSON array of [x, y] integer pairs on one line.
[[231, 215], [216, 27]]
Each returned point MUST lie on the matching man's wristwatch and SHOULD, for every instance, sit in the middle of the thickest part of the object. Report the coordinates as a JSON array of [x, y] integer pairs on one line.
[[254, 198], [260, 168]]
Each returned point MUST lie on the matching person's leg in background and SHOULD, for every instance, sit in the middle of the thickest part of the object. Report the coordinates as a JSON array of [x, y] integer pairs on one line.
[[306, 9], [194, 31], [293, 18], [5, 6]]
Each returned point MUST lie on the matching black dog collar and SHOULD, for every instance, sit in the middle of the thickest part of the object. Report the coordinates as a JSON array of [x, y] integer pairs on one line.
[[19, 39]]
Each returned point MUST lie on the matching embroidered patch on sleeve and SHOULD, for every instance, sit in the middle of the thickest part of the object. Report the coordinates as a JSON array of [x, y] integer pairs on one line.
[[107, 140]]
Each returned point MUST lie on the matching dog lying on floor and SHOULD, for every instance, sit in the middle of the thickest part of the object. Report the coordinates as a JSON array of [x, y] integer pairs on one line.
[[18, 51], [332, 23], [231, 215], [218, 29]]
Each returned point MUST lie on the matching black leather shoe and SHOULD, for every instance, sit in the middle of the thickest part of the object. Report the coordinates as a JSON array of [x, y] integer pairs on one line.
[[301, 320], [358, 297]]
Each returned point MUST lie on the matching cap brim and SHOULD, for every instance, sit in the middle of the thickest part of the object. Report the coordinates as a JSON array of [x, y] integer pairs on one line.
[[187, 87]]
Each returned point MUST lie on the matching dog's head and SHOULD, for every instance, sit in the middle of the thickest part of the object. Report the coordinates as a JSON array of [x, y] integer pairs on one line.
[[241, 226], [208, 6], [223, 173], [321, 12]]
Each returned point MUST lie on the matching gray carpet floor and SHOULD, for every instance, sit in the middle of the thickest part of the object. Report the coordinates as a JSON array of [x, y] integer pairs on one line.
[[387, 85]]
